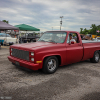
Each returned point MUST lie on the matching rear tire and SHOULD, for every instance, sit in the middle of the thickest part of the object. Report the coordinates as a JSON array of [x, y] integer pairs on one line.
[[96, 57], [50, 65]]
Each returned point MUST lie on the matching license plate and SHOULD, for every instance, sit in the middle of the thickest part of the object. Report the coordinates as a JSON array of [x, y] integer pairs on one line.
[[17, 63]]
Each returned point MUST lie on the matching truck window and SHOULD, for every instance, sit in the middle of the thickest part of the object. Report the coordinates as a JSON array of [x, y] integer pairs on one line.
[[57, 37], [30, 35], [73, 37]]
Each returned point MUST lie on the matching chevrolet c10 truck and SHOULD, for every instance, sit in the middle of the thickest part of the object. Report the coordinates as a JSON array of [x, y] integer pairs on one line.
[[53, 49]]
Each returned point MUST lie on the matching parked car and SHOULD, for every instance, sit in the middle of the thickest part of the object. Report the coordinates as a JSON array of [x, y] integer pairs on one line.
[[6, 39], [96, 39], [53, 49]]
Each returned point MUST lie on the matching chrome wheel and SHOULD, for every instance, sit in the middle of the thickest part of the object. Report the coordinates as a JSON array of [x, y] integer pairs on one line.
[[51, 64], [97, 56]]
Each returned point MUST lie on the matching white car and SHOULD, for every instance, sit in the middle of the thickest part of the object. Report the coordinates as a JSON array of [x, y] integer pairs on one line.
[[6, 39], [96, 39]]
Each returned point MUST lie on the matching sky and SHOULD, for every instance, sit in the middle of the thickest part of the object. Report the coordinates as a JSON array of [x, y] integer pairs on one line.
[[45, 14]]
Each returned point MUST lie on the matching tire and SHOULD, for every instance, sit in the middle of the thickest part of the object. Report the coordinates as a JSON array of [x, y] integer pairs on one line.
[[96, 57], [50, 65], [32, 40]]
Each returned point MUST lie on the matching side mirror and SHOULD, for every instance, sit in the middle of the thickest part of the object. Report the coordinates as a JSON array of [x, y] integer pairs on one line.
[[72, 42]]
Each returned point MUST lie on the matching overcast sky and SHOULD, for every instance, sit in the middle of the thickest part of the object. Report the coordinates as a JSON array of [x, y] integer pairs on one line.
[[45, 14]]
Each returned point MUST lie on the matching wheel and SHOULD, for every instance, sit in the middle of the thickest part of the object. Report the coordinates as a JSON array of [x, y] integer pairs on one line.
[[96, 57], [31, 40], [50, 65]]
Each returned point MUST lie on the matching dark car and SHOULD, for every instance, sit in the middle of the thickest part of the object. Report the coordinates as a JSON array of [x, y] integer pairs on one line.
[[29, 37]]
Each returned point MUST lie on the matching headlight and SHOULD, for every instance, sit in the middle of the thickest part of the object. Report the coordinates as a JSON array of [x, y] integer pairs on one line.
[[32, 59], [32, 53]]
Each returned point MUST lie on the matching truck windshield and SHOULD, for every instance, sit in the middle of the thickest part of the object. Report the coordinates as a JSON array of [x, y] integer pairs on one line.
[[57, 37]]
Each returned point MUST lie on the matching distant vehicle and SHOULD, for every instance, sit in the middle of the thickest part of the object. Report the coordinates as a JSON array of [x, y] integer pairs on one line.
[[6, 39], [86, 37], [29, 37], [96, 39]]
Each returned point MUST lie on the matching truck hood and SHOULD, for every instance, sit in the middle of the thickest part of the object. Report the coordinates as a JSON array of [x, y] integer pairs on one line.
[[35, 45]]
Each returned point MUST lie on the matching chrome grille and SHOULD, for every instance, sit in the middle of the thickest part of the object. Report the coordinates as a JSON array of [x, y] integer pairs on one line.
[[20, 54]]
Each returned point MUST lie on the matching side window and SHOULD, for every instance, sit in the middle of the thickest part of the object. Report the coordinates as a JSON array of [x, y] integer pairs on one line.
[[73, 37]]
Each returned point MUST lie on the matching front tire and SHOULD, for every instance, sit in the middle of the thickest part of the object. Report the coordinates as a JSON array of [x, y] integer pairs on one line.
[[96, 57], [50, 65]]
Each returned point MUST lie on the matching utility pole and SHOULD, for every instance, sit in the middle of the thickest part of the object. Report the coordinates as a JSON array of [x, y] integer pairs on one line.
[[52, 28], [61, 22]]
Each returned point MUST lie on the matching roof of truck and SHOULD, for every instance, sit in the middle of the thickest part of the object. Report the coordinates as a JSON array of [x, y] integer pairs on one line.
[[64, 31]]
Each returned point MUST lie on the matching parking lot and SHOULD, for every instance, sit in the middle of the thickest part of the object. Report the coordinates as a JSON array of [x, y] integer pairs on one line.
[[79, 81]]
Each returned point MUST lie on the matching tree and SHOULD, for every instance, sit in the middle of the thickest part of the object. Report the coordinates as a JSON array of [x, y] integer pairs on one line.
[[85, 31], [93, 29], [81, 30], [98, 26], [5, 21]]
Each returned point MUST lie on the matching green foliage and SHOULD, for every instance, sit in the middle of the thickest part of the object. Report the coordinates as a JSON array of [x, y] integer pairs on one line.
[[5, 21], [81, 30], [92, 31]]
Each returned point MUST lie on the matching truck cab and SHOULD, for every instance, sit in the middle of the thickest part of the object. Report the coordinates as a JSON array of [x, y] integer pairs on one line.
[[73, 49]]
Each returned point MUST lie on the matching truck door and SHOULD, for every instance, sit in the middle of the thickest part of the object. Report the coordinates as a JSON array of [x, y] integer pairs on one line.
[[74, 52]]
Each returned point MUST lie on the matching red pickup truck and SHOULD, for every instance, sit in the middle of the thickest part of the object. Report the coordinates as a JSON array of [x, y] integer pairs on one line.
[[53, 49]]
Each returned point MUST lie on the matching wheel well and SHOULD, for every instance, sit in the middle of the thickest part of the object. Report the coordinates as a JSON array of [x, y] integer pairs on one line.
[[99, 53], [58, 57]]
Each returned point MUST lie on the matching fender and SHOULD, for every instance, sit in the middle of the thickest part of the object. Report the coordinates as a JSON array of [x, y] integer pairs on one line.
[[41, 64]]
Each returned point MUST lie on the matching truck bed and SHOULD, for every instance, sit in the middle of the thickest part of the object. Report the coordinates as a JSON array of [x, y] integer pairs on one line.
[[89, 48], [89, 41]]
